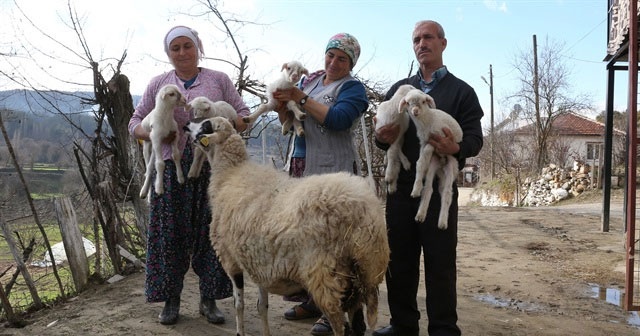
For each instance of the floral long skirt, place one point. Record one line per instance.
(178, 236)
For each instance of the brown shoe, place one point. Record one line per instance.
(322, 327)
(302, 311)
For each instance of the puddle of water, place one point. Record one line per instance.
(509, 303)
(616, 297)
(611, 295)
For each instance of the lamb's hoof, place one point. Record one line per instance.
(391, 188)
(246, 120)
(302, 117)
(143, 196)
(420, 217)
(442, 226)
(301, 134)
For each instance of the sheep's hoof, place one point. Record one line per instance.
(302, 117)
(247, 120)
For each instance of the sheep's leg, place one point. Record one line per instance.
(447, 177)
(357, 326)
(176, 159)
(297, 126)
(434, 166)
(159, 186)
(393, 168)
(144, 191)
(196, 165)
(263, 305)
(403, 158)
(336, 319)
(238, 301)
(264, 108)
(421, 169)
(297, 112)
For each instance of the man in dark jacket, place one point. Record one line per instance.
(407, 238)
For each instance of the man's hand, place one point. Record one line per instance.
(444, 145)
(388, 133)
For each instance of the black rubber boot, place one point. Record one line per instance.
(170, 312)
(209, 310)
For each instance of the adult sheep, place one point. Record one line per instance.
(323, 233)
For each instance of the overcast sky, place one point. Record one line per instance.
(479, 33)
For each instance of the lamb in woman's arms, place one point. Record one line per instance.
(291, 73)
(203, 108)
(160, 123)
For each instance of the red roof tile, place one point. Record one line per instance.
(572, 124)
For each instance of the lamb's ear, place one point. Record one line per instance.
(284, 66)
(305, 71)
(430, 102)
(402, 106)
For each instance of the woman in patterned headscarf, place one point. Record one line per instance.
(333, 101)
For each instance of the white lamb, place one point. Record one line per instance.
(291, 74)
(388, 114)
(429, 120)
(203, 108)
(322, 233)
(159, 123)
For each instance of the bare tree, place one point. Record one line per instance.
(544, 92)
(107, 157)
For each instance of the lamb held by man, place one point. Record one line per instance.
(160, 123)
(388, 114)
(291, 73)
(429, 120)
(325, 234)
(204, 108)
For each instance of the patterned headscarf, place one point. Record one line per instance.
(185, 31)
(346, 43)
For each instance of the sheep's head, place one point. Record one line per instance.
(206, 132)
(416, 100)
(201, 107)
(170, 94)
(293, 71)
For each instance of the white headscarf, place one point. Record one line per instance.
(185, 31)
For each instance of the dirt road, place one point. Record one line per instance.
(522, 271)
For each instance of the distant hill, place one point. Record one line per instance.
(35, 115)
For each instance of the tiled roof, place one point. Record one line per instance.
(572, 124)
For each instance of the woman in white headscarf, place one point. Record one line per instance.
(178, 232)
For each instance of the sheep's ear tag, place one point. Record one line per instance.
(204, 141)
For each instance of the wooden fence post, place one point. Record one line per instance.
(17, 256)
(73, 243)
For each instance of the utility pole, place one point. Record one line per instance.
(491, 135)
(536, 86)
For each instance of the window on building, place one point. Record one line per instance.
(593, 150)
